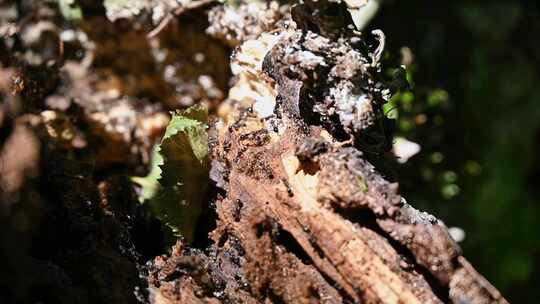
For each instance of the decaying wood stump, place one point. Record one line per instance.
(299, 210)
(302, 215)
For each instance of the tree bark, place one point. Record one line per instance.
(298, 211)
(302, 215)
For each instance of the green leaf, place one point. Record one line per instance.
(149, 184)
(69, 10)
(176, 186)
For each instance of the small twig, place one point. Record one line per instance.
(349, 141)
(175, 13)
(160, 26)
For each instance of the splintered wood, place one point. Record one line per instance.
(302, 216)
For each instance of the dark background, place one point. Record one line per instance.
(475, 111)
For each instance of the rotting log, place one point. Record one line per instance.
(299, 211)
(302, 216)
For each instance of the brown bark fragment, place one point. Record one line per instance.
(468, 286)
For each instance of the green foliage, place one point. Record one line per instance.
(69, 9)
(122, 4)
(150, 184)
(176, 185)
(475, 112)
